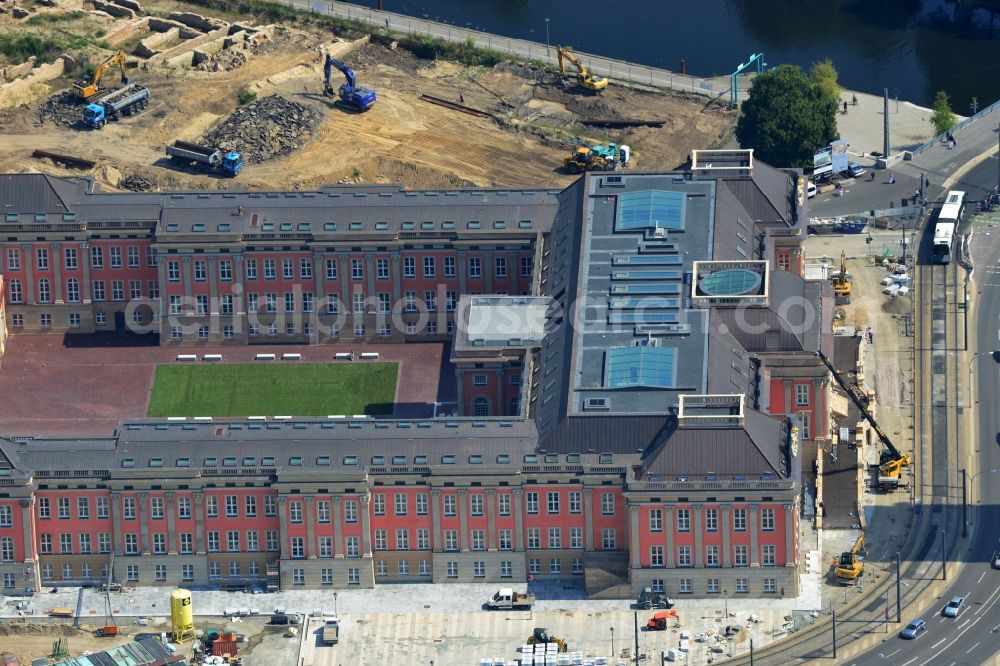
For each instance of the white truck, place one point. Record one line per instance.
(331, 631)
(507, 599)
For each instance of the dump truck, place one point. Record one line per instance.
(205, 158)
(507, 599)
(121, 102)
(331, 631)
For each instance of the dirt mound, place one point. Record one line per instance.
(136, 183)
(897, 305)
(223, 61)
(377, 53)
(266, 129)
(30, 629)
(63, 109)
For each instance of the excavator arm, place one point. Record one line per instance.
(331, 64)
(85, 89)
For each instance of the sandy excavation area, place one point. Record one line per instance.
(533, 119)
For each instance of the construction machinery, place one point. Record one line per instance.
(205, 158)
(350, 94)
(587, 80)
(842, 283)
(597, 158)
(852, 562)
(541, 635)
(122, 102)
(85, 89)
(891, 460)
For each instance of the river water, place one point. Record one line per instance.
(912, 47)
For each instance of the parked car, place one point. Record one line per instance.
(953, 607)
(995, 560)
(913, 629)
(855, 170)
(649, 599)
(810, 189)
(996, 355)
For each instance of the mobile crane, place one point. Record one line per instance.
(891, 461)
(842, 283)
(351, 96)
(851, 563)
(85, 89)
(583, 75)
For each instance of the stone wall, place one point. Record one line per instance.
(20, 91)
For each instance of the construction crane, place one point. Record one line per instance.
(85, 89)
(852, 562)
(110, 628)
(842, 283)
(891, 460)
(351, 96)
(583, 75)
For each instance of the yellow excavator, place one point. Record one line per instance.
(842, 283)
(583, 75)
(891, 460)
(852, 562)
(542, 635)
(85, 89)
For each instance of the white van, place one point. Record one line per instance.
(810, 189)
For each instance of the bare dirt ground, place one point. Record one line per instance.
(402, 139)
(30, 640)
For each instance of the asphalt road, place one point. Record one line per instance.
(973, 637)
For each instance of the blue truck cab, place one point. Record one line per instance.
(93, 115)
(232, 163)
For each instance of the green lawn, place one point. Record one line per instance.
(270, 389)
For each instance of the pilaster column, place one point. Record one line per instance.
(370, 281)
(514, 274)
(142, 499)
(171, 524)
(460, 381)
(699, 547)
(212, 269)
(116, 523)
(436, 539)
(518, 519)
(84, 263)
(338, 528)
(753, 525)
(491, 520)
(488, 271)
(319, 276)
(724, 527)
(633, 522)
(310, 518)
(463, 520)
(344, 274)
(668, 529)
(198, 499)
(29, 273)
(588, 519)
(366, 527)
(27, 520)
(56, 263)
(161, 277)
(186, 276)
(789, 406)
(239, 293)
(791, 529)
(397, 287)
(283, 527)
(501, 408)
(463, 270)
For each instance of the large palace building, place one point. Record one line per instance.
(637, 365)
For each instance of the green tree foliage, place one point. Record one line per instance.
(825, 76)
(943, 118)
(786, 118)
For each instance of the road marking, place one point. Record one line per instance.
(892, 653)
(972, 648)
(981, 578)
(987, 601)
(907, 663)
(939, 642)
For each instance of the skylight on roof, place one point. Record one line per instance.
(652, 209)
(648, 367)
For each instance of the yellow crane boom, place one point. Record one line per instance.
(583, 75)
(85, 89)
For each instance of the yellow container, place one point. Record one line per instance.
(181, 615)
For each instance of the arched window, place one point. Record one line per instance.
(72, 290)
(14, 293)
(44, 295)
(480, 407)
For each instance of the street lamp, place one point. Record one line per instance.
(612, 632)
(336, 614)
(966, 481)
(725, 594)
(546, 38)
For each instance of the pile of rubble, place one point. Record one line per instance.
(269, 128)
(135, 183)
(63, 109)
(223, 61)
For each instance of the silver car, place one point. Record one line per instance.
(953, 607)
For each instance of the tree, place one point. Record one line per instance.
(786, 118)
(824, 74)
(943, 118)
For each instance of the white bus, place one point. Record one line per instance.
(948, 220)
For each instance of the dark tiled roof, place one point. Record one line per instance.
(607, 433)
(31, 193)
(792, 320)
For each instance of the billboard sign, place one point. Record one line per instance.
(822, 162)
(838, 150)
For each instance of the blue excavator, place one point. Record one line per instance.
(351, 95)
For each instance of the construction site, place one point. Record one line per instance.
(235, 83)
